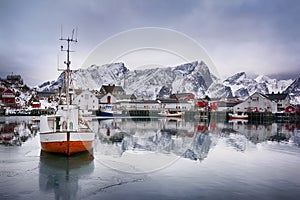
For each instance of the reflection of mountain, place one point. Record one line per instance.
(166, 136)
(258, 133)
(60, 174)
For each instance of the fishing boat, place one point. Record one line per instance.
(168, 113)
(238, 116)
(109, 111)
(66, 132)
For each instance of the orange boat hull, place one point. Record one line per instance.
(67, 148)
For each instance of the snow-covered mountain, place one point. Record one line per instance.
(192, 77)
(294, 91)
(242, 86)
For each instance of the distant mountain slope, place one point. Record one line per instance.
(294, 91)
(192, 77)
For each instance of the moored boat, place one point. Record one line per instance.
(65, 132)
(238, 116)
(109, 111)
(168, 113)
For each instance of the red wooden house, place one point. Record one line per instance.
(290, 109)
(8, 98)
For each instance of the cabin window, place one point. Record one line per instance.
(71, 125)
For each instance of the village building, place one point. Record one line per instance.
(14, 79)
(223, 105)
(256, 103)
(183, 96)
(86, 101)
(282, 100)
(7, 97)
(173, 104)
(111, 94)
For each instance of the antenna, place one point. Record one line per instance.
(61, 31)
(68, 63)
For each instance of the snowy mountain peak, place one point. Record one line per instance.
(262, 78)
(194, 77)
(236, 78)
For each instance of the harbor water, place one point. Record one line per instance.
(155, 158)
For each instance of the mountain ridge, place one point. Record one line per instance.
(154, 83)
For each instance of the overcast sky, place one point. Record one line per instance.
(258, 37)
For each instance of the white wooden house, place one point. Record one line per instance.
(256, 103)
(282, 100)
(111, 94)
(86, 101)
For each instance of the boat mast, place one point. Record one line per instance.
(68, 71)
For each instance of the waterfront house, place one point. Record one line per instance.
(282, 100)
(257, 102)
(8, 97)
(223, 105)
(173, 104)
(183, 96)
(110, 94)
(86, 101)
(291, 109)
(14, 79)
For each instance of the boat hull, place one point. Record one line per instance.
(67, 143)
(241, 117)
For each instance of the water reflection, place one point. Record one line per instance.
(60, 175)
(187, 139)
(15, 131)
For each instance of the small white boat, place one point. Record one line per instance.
(168, 113)
(238, 116)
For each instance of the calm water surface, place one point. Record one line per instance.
(155, 158)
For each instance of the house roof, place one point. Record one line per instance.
(111, 89)
(276, 96)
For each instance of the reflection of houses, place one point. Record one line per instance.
(256, 103)
(86, 101)
(112, 93)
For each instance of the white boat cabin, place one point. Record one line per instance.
(61, 121)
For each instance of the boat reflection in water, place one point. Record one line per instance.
(60, 175)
